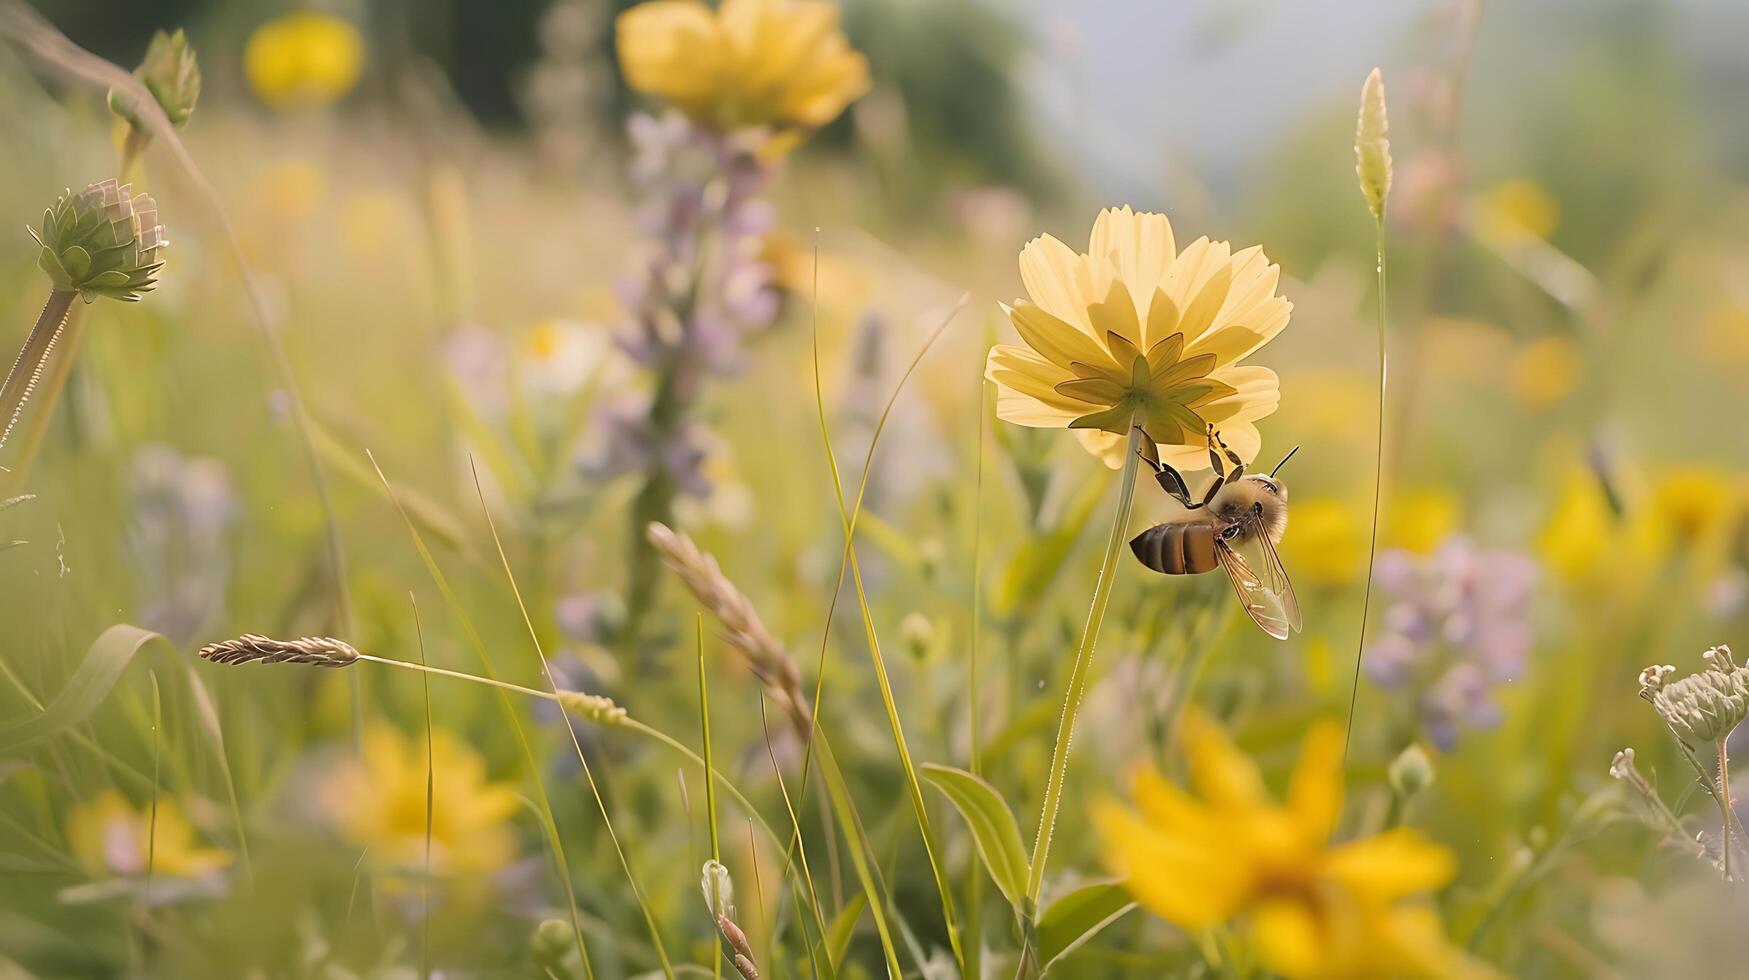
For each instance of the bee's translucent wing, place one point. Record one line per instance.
(1261, 582)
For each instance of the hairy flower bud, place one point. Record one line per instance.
(102, 241)
(1411, 771)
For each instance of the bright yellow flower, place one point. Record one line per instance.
(1695, 506)
(780, 63)
(1231, 853)
(378, 801)
(303, 58)
(1136, 329)
(110, 837)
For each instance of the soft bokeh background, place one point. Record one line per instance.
(443, 250)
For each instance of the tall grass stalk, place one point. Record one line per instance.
(796, 842)
(576, 743)
(914, 788)
(542, 802)
(430, 803)
(710, 791)
(1078, 674)
(1378, 483)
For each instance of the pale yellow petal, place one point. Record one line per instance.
(1109, 447)
(1139, 246)
(1058, 342)
(1117, 314)
(1051, 271)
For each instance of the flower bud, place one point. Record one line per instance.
(102, 241)
(917, 635)
(1372, 148)
(553, 939)
(1705, 706)
(718, 888)
(170, 73)
(1411, 771)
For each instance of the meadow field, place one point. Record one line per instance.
(912, 488)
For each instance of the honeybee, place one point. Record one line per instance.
(1235, 526)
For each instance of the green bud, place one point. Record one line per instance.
(917, 635)
(1703, 706)
(553, 941)
(1411, 772)
(102, 241)
(170, 73)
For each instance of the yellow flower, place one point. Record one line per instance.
(1136, 330)
(1517, 209)
(1418, 520)
(781, 63)
(303, 58)
(378, 801)
(110, 837)
(1231, 853)
(1694, 506)
(1545, 371)
(1329, 543)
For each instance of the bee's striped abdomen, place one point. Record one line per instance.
(1176, 549)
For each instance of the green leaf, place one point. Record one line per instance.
(1036, 563)
(103, 664)
(1078, 917)
(993, 828)
(842, 928)
(76, 261)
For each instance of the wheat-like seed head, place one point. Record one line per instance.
(317, 651)
(769, 660)
(592, 707)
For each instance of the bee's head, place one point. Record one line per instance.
(1270, 485)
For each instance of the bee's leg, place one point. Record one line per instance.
(1173, 483)
(1215, 458)
(1238, 464)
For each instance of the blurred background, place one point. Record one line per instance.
(444, 211)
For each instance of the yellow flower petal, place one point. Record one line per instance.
(1140, 246)
(1050, 272)
(1192, 886)
(1219, 772)
(1290, 938)
(1391, 865)
(1314, 791)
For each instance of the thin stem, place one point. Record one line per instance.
(1378, 483)
(27, 368)
(36, 427)
(1047, 824)
(1725, 803)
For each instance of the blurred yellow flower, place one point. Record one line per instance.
(1544, 371)
(1580, 529)
(1588, 545)
(1135, 330)
(378, 801)
(1517, 208)
(303, 58)
(109, 837)
(1328, 546)
(1232, 853)
(1696, 509)
(1418, 520)
(781, 63)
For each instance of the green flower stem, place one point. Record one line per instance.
(1725, 804)
(1041, 847)
(36, 428)
(28, 367)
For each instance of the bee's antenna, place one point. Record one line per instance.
(1284, 459)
